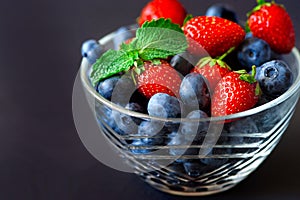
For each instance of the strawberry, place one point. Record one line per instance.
(272, 23)
(216, 35)
(158, 78)
(155, 9)
(212, 69)
(237, 91)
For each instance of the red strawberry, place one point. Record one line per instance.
(156, 9)
(212, 69)
(216, 35)
(272, 23)
(158, 78)
(237, 91)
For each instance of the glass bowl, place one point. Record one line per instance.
(193, 161)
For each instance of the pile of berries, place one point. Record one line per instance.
(226, 68)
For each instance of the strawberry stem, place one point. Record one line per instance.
(261, 2)
(253, 73)
(225, 54)
(247, 77)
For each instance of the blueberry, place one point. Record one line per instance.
(105, 113)
(249, 35)
(105, 88)
(190, 129)
(133, 106)
(150, 134)
(164, 106)
(122, 34)
(274, 77)
(194, 92)
(153, 131)
(194, 168)
(123, 91)
(267, 119)
(141, 147)
(263, 99)
(188, 134)
(246, 126)
(126, 124)
(253, 51)
(183, 63)
(91, 50)
(222, 10)
(217, 157)
(178, 139)
(150, 128)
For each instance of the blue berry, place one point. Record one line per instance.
(136, 107)
(177, 138)
(183, 63)
(217, 157)
(152, 134)
(105, 113)
(194, 92)
(191, 129)
(253, 51)
(249, 35)
(126, 124)
(105, 88)
(188, 134)
(123, 91)
(194, 168)
(274, 77)
(164, 106)
(267, 119)
(122, 34)
(91, 50)
(223, 11)
(150, 128)
(141, 147)
(246, 126)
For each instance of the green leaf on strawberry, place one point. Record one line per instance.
(157, 39)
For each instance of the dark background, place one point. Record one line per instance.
(41, 155)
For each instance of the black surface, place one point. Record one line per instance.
(41, 155)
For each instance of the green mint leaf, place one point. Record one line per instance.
(154, 40)
(159, 42)
(111, 63)
(128, 47)
(162, 23)
(160, 39)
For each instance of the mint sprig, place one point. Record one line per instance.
(110, 63)
(157, 39)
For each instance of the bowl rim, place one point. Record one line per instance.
(85, 66)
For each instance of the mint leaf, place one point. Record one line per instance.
(157, 39)
(162, 23)
(110, 63)
(158, 42)
(160, 39)
(128, 47)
